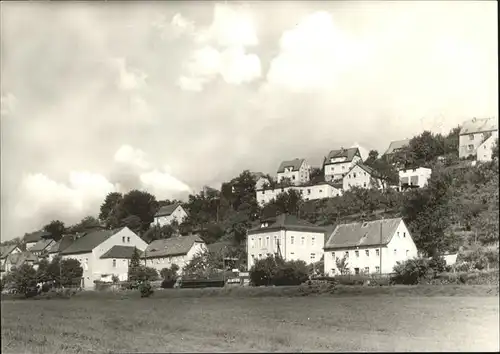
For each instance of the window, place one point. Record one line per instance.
(313, 257)
(395, 251)
(343, 167)
(398, 233)
(312, 241)
(407, 252)
(123, 239)
(114, 263)
(364, 184)
(260, 255)
(128, 239)
(302, 240)
(377, 269)
(321, 191)
(275, 241)
(356, 270)
(346, 254)
(333, 255)
(292, 254)
(291, 240)
(404, 234)
(367, 270)
(293, 176)
(308, 191)
(267, 241)
(354, 174)
(252, 240)
(470, 147)
(356, 253)
(367, 252)
(377, 252)
(471, 136)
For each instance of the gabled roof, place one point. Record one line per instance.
(366, 168)
(286, 222)
(36, 236)
(173, 246)
(295, 163)
(119, 251)
(89, 241)
(480, 125)
(347, 153)
(362, 234)
(18, 259)
(395, 145)
(6, 250)
(62, 244)
(42, 245)
(167, 210)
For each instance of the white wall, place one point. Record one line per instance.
(358, 177)
(468, 143)
(423, 174)
(261, 244)
(178, 214)
(296, 177)
(318, 191)
(485, 150)
(29, 245)
(401, 242)
(159, 263)
(260, 182)
(337, 170)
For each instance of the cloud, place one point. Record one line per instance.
(222, 50)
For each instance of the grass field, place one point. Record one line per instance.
(207, 324)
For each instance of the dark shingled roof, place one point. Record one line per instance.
(295, 163)
(62, 244)
(18, 259)
(89, 241)
(361, 234)
(286, 222)
(6, 250)
(479, 125)
(395, 145)
(171, 246)
(36, 236)
(167, 210)
(119, 251)
(42, 245)
(347, 153)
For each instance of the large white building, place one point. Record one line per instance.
(168, 213)
(412, 178)
(369, 246)
(177, 250)
(91, 250)
(309, 192)
(476, 138)
(296, 170)
(287, 236)
(339, 162)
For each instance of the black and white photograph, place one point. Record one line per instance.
(249, 176)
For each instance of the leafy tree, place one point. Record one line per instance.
(86, 224)
(133, 222)
(140, 204)
(262, 272)
(22, 278)
(134, 265)
(111, 202)
(202, 265)
(42, 273)
(169, 276)
(56, 228)
(422, 151)
(71, 272)
(494, 152)
(290, 273)
(342, 265)
(316, 175)
(287, 202)
(372, 157)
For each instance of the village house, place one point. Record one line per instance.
(42, 247)
(286, 236)
(361, 176)
(261, 181)
(116, 262)
(369, 247)
(59, 246)
(339, 162)
(477, 137)
(296, 170)
(309, 192)
(414, 178)
(5, 252)
(394, 147)
(177, 250)
(17, 259)
(31, 239)
(168, 213)
(89, 249)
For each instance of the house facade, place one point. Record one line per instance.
(339, 162)
(369, 247)
(473, 134)
(17, 259)
(59, 246)
(5, 261)
(31, 239)
(296, 170)
(167, 214)
(414, 177)
(261, 182)
(177, 250)
(361, 176)
(309, 192)
(286, 236)
(485, 150)
(42, 247)
(89, 249)
(115, 262)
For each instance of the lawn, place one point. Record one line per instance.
(292, 324)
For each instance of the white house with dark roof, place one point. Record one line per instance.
(89, 248)
(5, 252)
(297, 170)
(177, 250)
(287, 236)
(42, 247)
(57, 247)
(476, 136)
(339, 162)
(31, 239)
(17, 259)
(369, 246)
(362, 176)
(414, 178)
(168, 213)
(115, 262)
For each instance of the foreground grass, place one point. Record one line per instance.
(208, 324)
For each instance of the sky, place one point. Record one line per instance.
(170, 96)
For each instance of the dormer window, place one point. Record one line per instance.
(364, 225)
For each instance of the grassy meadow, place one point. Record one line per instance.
(167, 322)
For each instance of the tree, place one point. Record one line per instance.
(86, 224)
(287, 202)
(133, 222)
(71, 272)
(342, 265)
(372, 157)
(494, 152)
(56, 228)
(169, 276)
(202, 265)
(22, 278)
(111, 201)
(134, 265)
(42, 273)
(316, 175)
(141, 204)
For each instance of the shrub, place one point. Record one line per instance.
(146, 289)
(438, 264)
(46, 287)
(262, 272)
(312, 287)
(412, 271)
(290, 273)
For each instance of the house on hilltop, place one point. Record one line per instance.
(297, 170)
(339, 162)
(168, 213)
(414, 178)
(177, 250)
(89, 249)
(369, 247)
(285, 236)
(31, 239)
(362, 176)
(477, 138)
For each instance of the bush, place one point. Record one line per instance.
(313, 287)
(168, 283)
(412, 272)
(146, 289)
(46, 287)
(272, 271)
(438, 264)
(262, 272)
(352, 279)
(169, 276)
